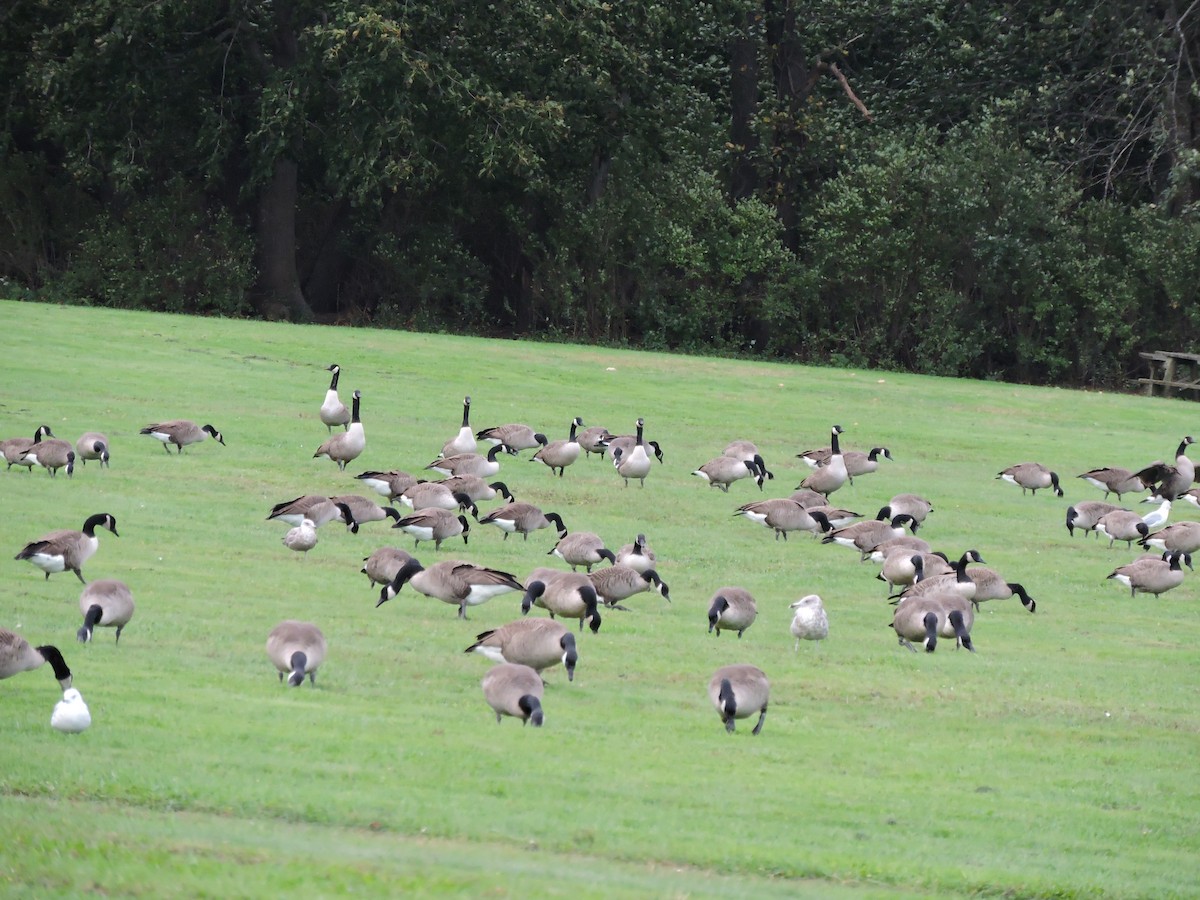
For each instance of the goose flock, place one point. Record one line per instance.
(935, 594)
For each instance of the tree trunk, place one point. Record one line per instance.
(743, 98)
(793, 84)
(278, 293)
(1181, 117)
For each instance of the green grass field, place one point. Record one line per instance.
(1060, 760)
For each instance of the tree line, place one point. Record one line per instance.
(1002, 190)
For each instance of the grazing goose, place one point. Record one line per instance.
(808, 498)
(738, 692)
(1122, 525)
(924, 617)
(1087, 514)
(349, 444)
(633, 463)
(1167, 481)
(515, 436)
(902, 567)
(537, 643)
(725, 470)
(567, 594)
(837, 516)
(866, 536)
(831, 476)
(957, 581)
(913, 622)
(333, 410)
(809, 621)
(990, 586)
(382, 565)
(427, 494)
(317, 509)
(453, 581)
(71, 715)
(1114, 480)
(522, 518)
(65, 550)
(1182, 536)
(390, 484)
(956, 617)
(470, 463)
(912, 504)
(594, 439)
(366, 510)
(1031, 476)
(514, 690)
(434, 524)
(907, 541)
(857, 462)
(747, 451)
(51, 455)
(464, 441)
(618, 582)
(582, 548)
(784, 515)
(302, 537)
(14, 448)
(92, 445)
(638, 555)
(16, 656)
(626, 442)
(1150, 576)
(105, 602)
(477, 488)
(181, 432)
(560, 454)
(1192, 497)
(297, 649)
(731, 608)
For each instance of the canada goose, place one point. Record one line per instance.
(1182, 536)
(638, 555)
(515, 436)
(956, 616)
(16, 656)
(434, 524)
(626, 442)
(365, 510)
(514, 690)
(522, 518)
(71, 715)
(1031, 476)
(1167, 481)
(470, 463)
(724, 470)
(1150, 576)
(464, 441)
(739, 692)
(1114, 480)
(865, 536)
(990, 586)
(809, 621)
(390, 484)
(731, 608)
(1122, 525)
(838, 517)
(784, 515)
(181, 432)
(912, 504)
(747, 451)
(568, 594)
(319, 510)
(831, 476)
(426, 494)
(634, 463)
(333, 410)
(957, 581)
(14, 448)
(560, 454)
(924, 617)
(618, 582)
(582, 548)
(297, 649)
(65, 550)
(477, 488)
(537, 643)
(349, 444)
(51, 455)
(1085, 515)
(907, 541)
(913, 622)
(302, 537)
(92, 445)
(857, 462)
(902, 567)
(105, 602)
(453, 581)
(594, 439)
(807, 498)
(1192, 496)
(382, 565)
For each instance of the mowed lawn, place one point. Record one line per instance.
(1061, 759)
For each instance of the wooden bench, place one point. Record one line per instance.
(1172, 372)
